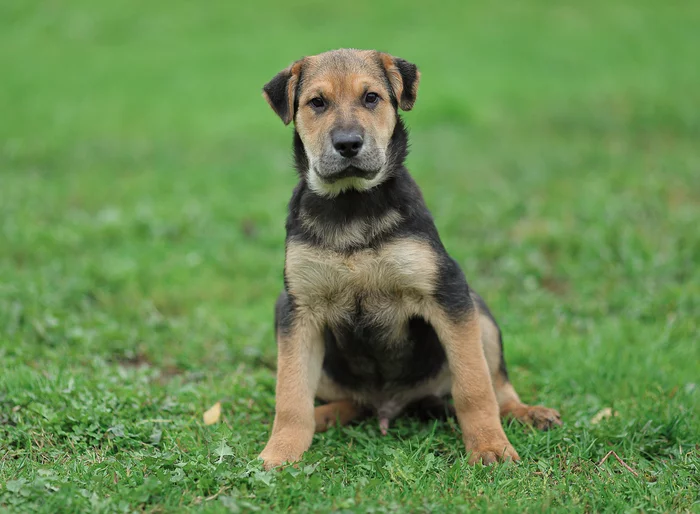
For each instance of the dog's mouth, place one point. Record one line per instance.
(350, 172)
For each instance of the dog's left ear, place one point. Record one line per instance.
(404, 78)
(281, 90)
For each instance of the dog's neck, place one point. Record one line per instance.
(354, 219)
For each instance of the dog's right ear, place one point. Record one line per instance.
(280, 92)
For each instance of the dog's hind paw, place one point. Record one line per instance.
(537, 416)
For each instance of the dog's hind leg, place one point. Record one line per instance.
(336, 413)
(542, 418)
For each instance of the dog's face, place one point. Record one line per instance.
(344, 105)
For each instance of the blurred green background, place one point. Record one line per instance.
(143, 189)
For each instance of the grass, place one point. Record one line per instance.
(143, 185)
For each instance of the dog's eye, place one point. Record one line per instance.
(371, 99)
(317, 103)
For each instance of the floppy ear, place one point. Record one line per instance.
(280, 92)
(404, 77)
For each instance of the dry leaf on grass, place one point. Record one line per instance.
(607, 412)
(213, 414)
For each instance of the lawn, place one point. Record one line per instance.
(143, 189)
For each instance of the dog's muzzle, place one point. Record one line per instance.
(349, 172)
(348, 154)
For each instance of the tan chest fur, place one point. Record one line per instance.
(390, 283)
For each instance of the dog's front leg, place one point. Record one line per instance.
(474, 399)
(299, 362)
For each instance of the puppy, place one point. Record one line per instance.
(374, 315)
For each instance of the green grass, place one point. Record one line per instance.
(143, 187)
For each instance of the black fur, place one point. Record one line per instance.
(358, 358)
(276, 91)
(297, 92)
(409, 75)
(452, 291)
(284, 312)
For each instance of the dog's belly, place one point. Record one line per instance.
(384, 369)
(361, 356)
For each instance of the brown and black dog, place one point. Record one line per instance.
(374, 315)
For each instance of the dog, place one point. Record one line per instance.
(374, 315)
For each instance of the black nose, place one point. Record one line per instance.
(347, 143)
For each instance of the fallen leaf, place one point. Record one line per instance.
(605, 413)
(213, 414)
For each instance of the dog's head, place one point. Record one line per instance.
(344, 105)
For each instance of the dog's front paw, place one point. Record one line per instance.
(492, 452)
(273, 458)
(281, 450)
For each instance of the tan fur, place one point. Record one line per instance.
(343, 93)
(336, 413)
(491, 344)
(474, 398)
(299, 363)
(395, 281)
(343, 90)
(538, 416)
